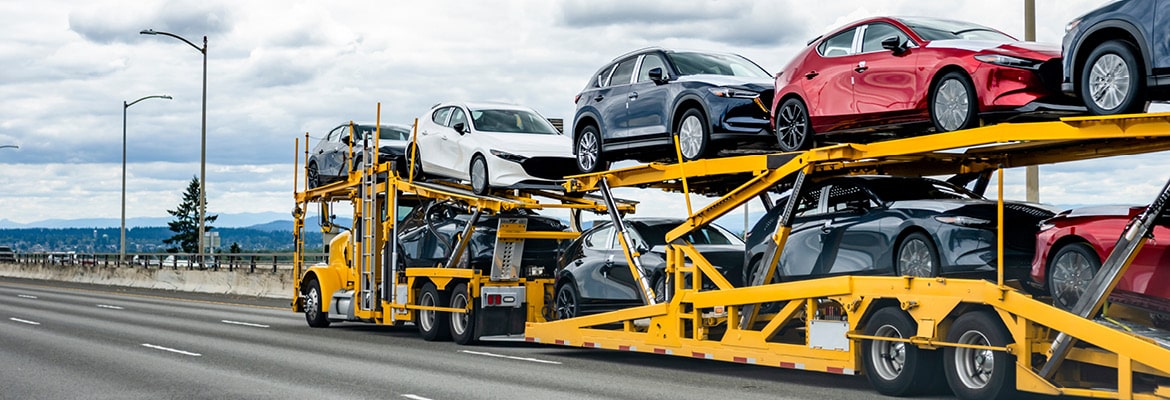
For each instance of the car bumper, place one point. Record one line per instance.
(530, 171)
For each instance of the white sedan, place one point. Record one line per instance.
(492, 145)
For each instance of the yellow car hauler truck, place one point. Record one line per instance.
(983, 339)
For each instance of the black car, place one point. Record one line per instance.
(632, 107)
(1116, 58)
(593, 275)
(884, 225)
(329, 161)
(427, 232)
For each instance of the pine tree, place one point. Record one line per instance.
(186, 223)
(235, 248)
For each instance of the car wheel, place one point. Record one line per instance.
(479, 175)
(917, 256)
(568, 302)
(317, 317)
(432, 325)
(1070, 272)
(793, 130)
(693, 135)
(1111, 81)
(660, 290)
(588, 144)
(953, 103)
(979, 373)
(898, 368)
(462, 324)
(415, 156)
(313, 176)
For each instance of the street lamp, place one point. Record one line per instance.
(203, 140)
(9, 146)
(125, 105)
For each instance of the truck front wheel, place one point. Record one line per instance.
(316, 316)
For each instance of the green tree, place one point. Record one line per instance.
(186, 223)
(235, 248)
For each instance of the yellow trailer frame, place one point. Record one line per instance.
(820, 324)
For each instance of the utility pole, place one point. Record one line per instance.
(1032, 172)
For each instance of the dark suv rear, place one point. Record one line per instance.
(632, 107)
(1116, 58)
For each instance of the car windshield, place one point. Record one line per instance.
(512, 121)
(716, 64)
(895, 189)
(655, 235)
(940, 29)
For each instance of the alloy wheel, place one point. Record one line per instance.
(951, 104)
(587, 151)
(1071, 274)
(792, 126)
(915, 259)
(1109, 81)
(313, 303)
(690, 137)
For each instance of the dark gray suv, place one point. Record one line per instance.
(1116, 58)
(636, 104)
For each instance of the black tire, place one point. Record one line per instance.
(463, 325)
(568, 302)
(478, 172)
(969, 373)
(432, 325)
(694, 134)
(314, 314)
(793, 129)
(1069, 273)
(588, 150)
(898, 368)
(415, 157)
(917, 256)
(1115, 67)
(954, 104)
(660, 289)
(313, 175)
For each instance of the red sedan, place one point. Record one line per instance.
(882, 74)
(1071, 246)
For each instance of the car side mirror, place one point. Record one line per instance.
(345, 139)
(894, 44)
(656, 75)
(460, 127)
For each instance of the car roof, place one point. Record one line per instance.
(666, 50)
(479, 105)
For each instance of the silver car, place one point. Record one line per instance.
(329, 161)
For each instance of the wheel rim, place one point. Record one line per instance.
(479, 175)
(915, 259)
(417, 163)
(426, 318)
(951, 105)
(312, 303)
(566, 305)
(1109, 81)
(587, 151)
(793, 126)
(1071, 274)
(459, 321)
(974, 366)
(314, 179)
(690, 136)
(660, 290)
(889, 357)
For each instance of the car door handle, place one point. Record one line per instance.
(598, 98)
(633, 96)
(827, 226)
(811, 74)
(861, 68)
(578, 261)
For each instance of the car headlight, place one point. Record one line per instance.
(733, 93)
(1007, 61)
(962, 220)
(509, 156)
(1072, 25)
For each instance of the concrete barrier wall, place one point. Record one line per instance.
(239, 282)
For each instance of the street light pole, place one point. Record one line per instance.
(9, 146)
(125, 105)
(203, 136)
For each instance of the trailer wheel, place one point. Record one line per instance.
(316, 317)
(898, 368)
(567, 301)
(432, 325)
(979, 373)
(463, 324)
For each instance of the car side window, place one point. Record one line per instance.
(335, 134)
(847, 197)
(807, 203)
(599, 239)
(440, 115)
(649, 62)
(876, 33)
(602, 79)
(458, 116)
(623, 72)
(839, 45)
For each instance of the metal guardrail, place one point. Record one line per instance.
(175, 261)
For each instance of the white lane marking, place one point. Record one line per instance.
(110, 307)
(244, 324)
(171, 350)
(415, 397)
(25, 321)
(26, 296)
(480, 353)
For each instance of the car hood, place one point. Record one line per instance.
(528, 144)
(395, 147)
(1029, 50)
(753, 84)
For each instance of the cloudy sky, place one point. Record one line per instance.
(279, 69)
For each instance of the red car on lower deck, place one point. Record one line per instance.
(1072, 245)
